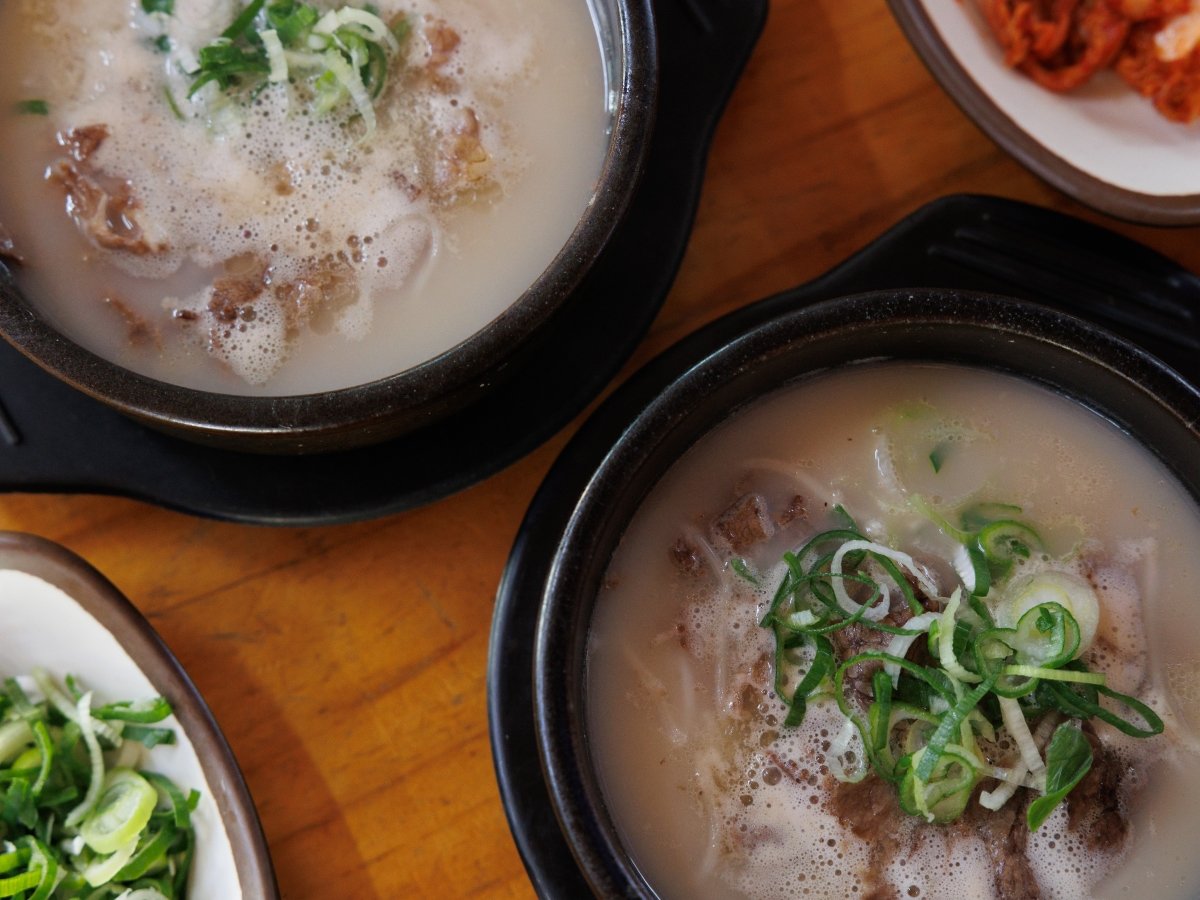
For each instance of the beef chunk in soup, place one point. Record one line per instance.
(1005, 837)
(139, 330)
(1093, 808)
(440, 42)
(103, 207)
(685, 556)
(868, 808)
(793, 511)
(325, 286)
(745, 523)
(464, 162)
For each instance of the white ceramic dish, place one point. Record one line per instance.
(1103, 143)
(60, 614)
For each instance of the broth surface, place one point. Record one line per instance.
(407, 248)
(715, 797)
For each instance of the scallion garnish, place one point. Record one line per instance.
(1068, 759)
(339, 56)
(33, 107)
(73, 825)
(937, 456)
(742, 569)
(170, 98)
(997, 654)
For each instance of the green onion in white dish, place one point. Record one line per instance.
(60, 615)
(82, 813)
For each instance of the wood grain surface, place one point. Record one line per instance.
(346, 665)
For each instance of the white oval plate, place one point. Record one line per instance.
(1103, 144)
(60, 614)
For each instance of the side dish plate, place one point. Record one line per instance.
(60, 614)
(1103, 144)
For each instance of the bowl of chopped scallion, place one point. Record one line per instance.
(115, 780)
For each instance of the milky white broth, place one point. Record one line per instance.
(687, 776)
(433, 273)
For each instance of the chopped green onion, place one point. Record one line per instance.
(742, 569)
(948, 726)
(942, 795)
(150, 852)
(15, 736)
(121, 812)
(175, 110)
(351, 80)
(18, 884)
(1068, 759)
(937, 456)
(12, 859)
(69, 820)
(147, 736)
(227, 64)
(1005, 651)
(33, 107)
(947, 630)
(1006, 540)
(787, 663)
(103, 869)
(45, 755)
(1049, 590)
(1055, 674)
(343, 54)
(41, 859)
(291, 21)
(241, 25)
(978, 515)
(96, 776)
(1046, 636)
(275, 56)
(144, 712)
(976, 574)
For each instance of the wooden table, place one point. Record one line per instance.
(346, 664)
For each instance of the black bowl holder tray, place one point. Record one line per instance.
(968, 243)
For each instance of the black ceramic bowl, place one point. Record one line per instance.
(426, 393)
(598, 483)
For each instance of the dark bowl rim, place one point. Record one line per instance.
(631, 428)
(415, 396)
(98, 596)
(1123, 203)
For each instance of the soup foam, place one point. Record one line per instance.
(714, 796)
